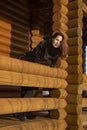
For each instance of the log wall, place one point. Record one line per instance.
(14, 27)
(18, 36)
(75, 78)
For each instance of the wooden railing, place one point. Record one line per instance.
(17, 73)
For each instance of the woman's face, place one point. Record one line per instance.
(57, 41)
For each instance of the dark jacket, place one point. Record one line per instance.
(43, 53)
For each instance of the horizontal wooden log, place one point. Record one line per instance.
(19, 39)
(74, 119)
(11, 64)
(7, 42)
(60, 8)
(84, 102)
(22, 7)
(59, 114)
(73, 41)
(75, 79)
(34, 44)
(63, 18)
(16, 105)
(36, 38)
(84, 86)
(5, 25)
(13, 49)
(74, 32)
(77, 22)
(76, 69)
(74, 5)
(73, 109)
(5, 33)
(75, 14)
(74, 99)
(40, 124)
(62, 63)
(13, 53)
(84, 7)
(75, 50)
(57, 25)
(22, 79)
(64, 2)
(74, 60)
(18, 12)
(4, 54)
(84, 78)
(35, 32)
(59, 93)
(74, 89)
(12, 16)
(5, 49)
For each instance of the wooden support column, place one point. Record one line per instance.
(74, 79)
(60, 20)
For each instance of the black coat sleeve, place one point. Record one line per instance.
(39, 51)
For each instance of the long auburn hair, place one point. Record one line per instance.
(63, 45)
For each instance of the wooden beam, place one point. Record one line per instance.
(16, 105)
(16, 65)
(23, 80)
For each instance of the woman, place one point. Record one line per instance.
(48, 51)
